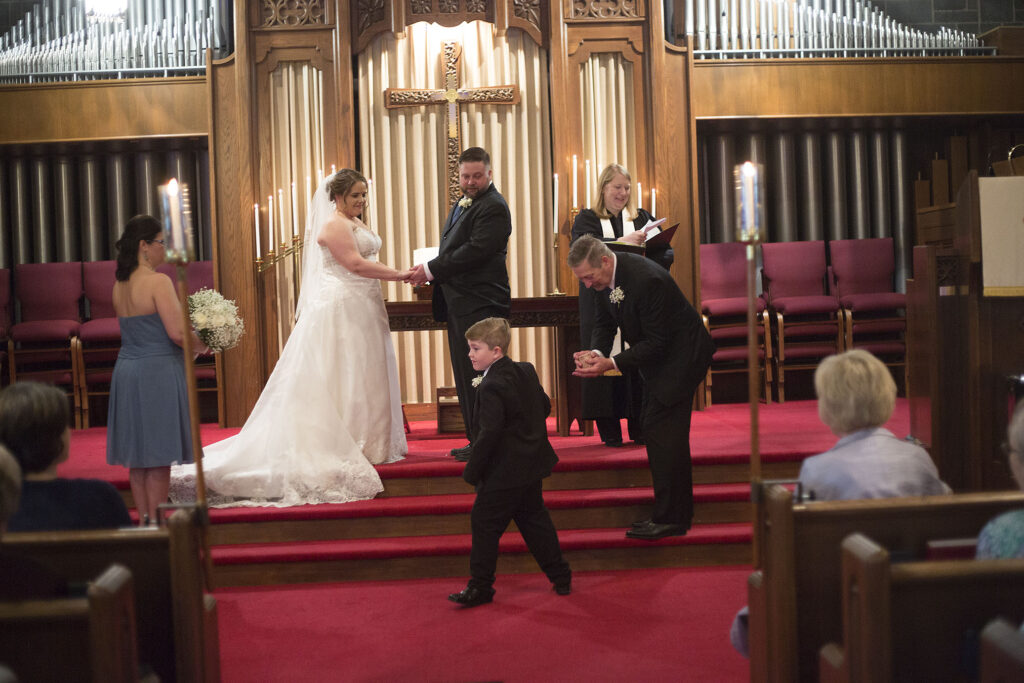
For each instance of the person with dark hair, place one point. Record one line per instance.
(147, 420)
(670, 348)
(23, 577)
(332, 407)
(34, 428)
(615, 219)
(469, 274)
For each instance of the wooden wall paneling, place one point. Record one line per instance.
(858, 87)
(565, 137)
(233, 189)
(529, 17)
(672, 144)
(104, 110)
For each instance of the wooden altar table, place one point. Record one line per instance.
(558, 312)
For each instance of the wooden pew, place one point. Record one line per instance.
(794, 598)
(176, 619)
(74, 639)
(1002, 653)
(916, 621)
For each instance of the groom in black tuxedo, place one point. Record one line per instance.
(469, 274)
(671, 349)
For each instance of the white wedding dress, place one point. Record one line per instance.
(331, 408)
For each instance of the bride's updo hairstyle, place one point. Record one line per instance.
(141, 227)
(342, 182)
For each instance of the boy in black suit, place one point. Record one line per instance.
(511, 456)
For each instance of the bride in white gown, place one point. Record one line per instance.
(331, 408)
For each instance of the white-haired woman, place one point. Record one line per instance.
(856, 396)
(1003, 537)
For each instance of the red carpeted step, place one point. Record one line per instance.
(463, 503)
(419, 546)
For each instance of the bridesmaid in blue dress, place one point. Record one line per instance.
(147, 420)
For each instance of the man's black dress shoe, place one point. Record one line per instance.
(462, 454)
(613, 444)
(472, 597)
(642, 523)
(563, 588)
(653, 531)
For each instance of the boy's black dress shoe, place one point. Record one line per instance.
(472, 596)
(563, 588)
(641, 523)
(462, 454)
(613, 444)
(653, 531)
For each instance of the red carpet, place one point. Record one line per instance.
(789, 431)
(653, 625)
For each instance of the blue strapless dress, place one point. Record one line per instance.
(147, 421)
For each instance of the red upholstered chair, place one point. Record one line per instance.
(723, 292)
(874, 313)
(99, 337)
(43, 344)
(808, 322)
(5, 320)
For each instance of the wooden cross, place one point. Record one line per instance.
(452, 96)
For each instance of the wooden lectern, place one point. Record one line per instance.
(965, 330)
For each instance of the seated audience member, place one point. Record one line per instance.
(34, 427)
(856, 396)
(23, 578)
(1003, 537)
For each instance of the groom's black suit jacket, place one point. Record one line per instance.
(509, 430)
(667, 340)
(469, 271)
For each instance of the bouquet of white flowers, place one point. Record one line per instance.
(215, 319)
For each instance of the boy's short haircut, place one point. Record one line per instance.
(491, 331)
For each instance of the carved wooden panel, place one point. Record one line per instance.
(449, 12)
(606, 9)
(288, 13)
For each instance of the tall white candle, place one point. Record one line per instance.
(639, 195)
(334, 169)
(575, 171)
(586, 180)
(554, 202)
(295, 210)
(319, 174)
(654, 203)
(256, 222)
(177, 227)
(748, 199)
(280, 213)
(270, 220)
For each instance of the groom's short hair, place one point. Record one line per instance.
(475, 154)
(491, 331)
(588, 248)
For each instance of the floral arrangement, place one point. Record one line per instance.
(617, 295)
(477, 380)
(466, 202)
(215, 319)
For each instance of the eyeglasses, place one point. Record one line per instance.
(160, 242)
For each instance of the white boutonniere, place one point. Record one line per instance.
(477, 380)
(465, 202)
(617, 295)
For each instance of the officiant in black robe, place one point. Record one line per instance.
(606, 400)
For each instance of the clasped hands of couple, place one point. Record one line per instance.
(591, 364)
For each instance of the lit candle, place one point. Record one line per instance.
(295, 210)
(639, 195)
(586, 180)
(174, 210)
(748, 200)
(270, 219)
(319, 174)
(333, 169)
(280, 212)
(554, 198)
(256, 221)
(654, 203)
(575, 171)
